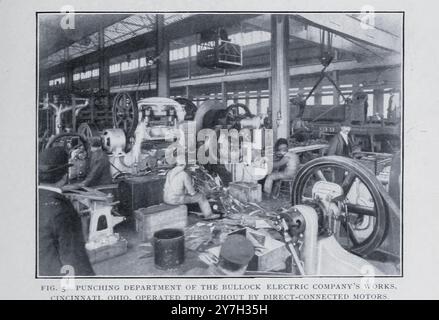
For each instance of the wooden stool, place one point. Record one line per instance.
(284, 187)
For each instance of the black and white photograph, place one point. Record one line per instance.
(218, 156)
(220, 144)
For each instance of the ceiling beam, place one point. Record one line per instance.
(263, 73)
(190, 25)
(312, 35)
(351, 28)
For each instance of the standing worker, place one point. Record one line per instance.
(180, 190)
(341, 144)
(285, 167)
(60, 239)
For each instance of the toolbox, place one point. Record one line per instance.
(158, 217)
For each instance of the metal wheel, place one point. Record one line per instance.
(234, 113)
(364, 225)
(88, 130)
(125, 113)
(65, 139)
(189, 107)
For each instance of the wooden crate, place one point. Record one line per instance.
(155, 218)
(375, 162)
(271, 257)
(246, 191)
(107, 252)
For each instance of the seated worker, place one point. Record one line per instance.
(99, 170)
(341, 144)
(283, 168)
(180, 190)
(235, 255)
(61, 242)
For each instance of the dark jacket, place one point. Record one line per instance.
(100, 171)
(61, 242)
(338, 146)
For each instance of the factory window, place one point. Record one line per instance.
(265, 103)
(76, 77)
(133, 64)
(310, 101)
(193, 50)
(180, 53)
(327, 100)
(253, 106)
(115, 68)
(124, 66)
(57, 81)
(248, 38)
(370, 111)
(95, 73)
(86, 75)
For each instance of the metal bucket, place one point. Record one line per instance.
(168, 248)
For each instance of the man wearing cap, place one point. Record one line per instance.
(61, 243)
(100, 171)
(284, 168)
(179, 189)
(341, 144)
(235, 255)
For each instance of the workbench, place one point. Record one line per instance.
(313, 147)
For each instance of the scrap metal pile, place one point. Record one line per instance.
(262, 225)
(218, 194)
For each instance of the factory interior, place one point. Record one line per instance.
(235, 144)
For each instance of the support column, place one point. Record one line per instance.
(69, 71)
(104, 62)
(224, 93)
(163, 85)
(317, 98)
(378, 101)
(280, 76)
(336, 94)
(188, 92)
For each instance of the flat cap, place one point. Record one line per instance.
(53, 159)
(345, 123)
(237, 249)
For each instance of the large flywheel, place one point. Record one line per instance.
(364, 217)
(125, 113)
(189, 107)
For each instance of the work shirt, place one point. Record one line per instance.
(60, 242)
(100, 171)
(288, 164)
(178, 184)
